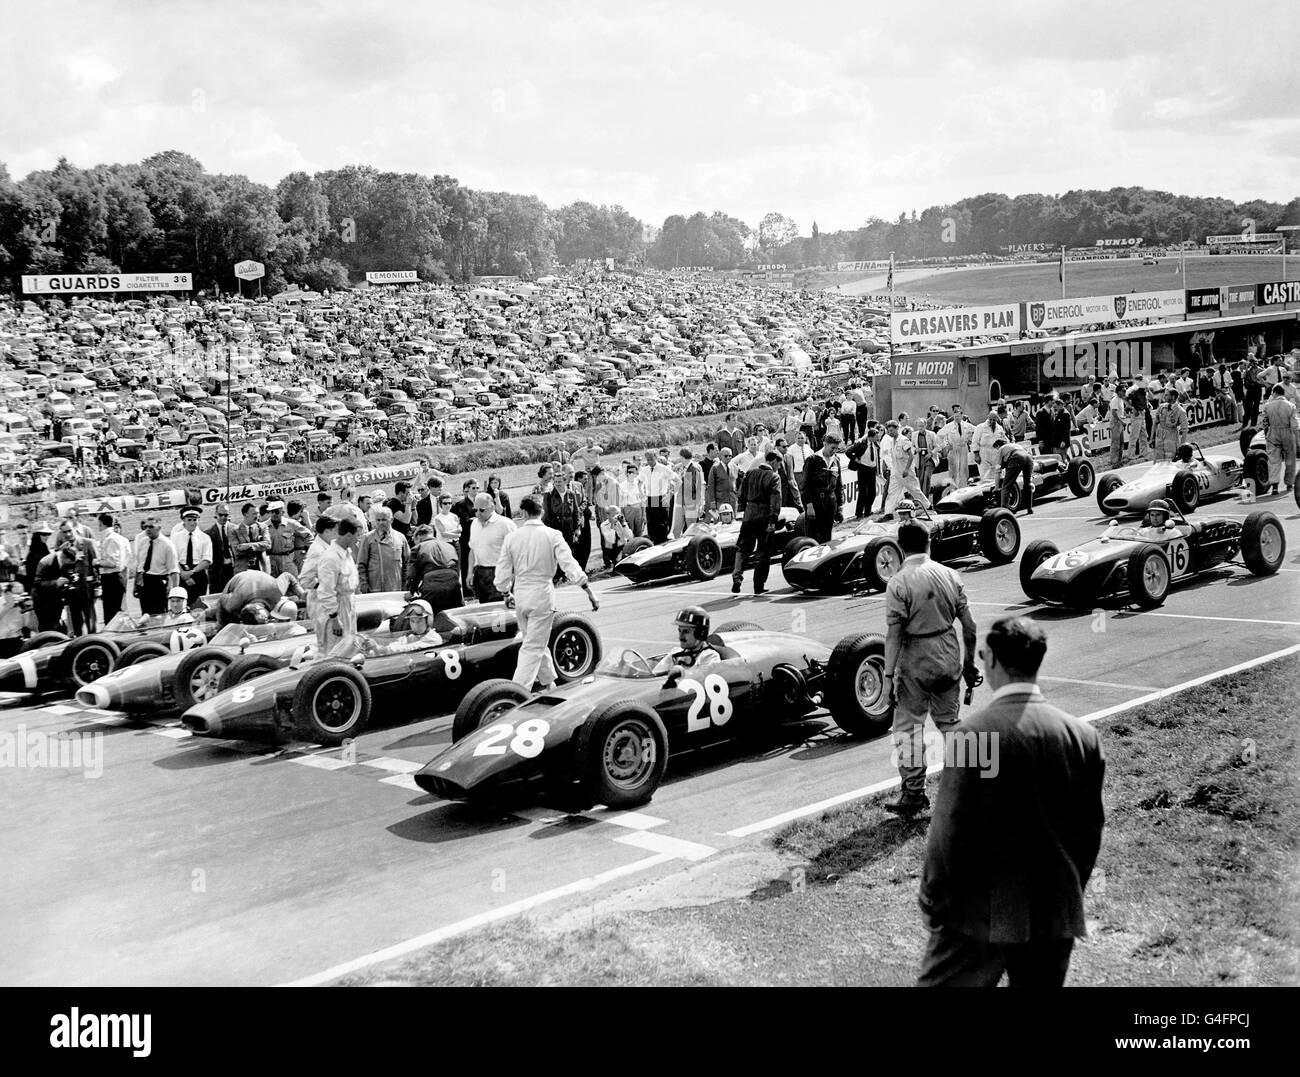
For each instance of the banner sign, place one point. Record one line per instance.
(953, 323)
(108, 282)
(1132, 241)
(1244, 237)
(1066, 313)
(1248, 248)
(268, 491)
(1200, 413)
(1238, 297)
(911, 373)
(249, 270)
(1204, 300)
(93, 506)
(392, 276)
(368, 476)
(1026, 248)
(1138, 306)
(1090, 256)
(858, 267)
(1277, 292)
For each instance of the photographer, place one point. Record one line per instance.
(614, 535)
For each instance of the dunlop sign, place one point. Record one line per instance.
(108, 282)
(953, 323)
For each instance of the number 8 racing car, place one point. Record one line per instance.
(1138, 564)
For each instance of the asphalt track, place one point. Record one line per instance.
(208, 862)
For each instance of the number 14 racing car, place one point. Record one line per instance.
(606, 739)
(1138, 564)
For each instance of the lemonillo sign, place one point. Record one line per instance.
(392, 276)
(64, 283)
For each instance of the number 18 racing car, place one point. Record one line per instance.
(1187, 480)
(606, 739)
(1137, 564)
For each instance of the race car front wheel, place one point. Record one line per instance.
(1263, 543)
(140, 651)
(880, 561)
(1257, 468)
(198, 676)
(703, 557)
(795, 547)
(1108, 485)
(245, 668)
(330, 704)
(1035, 554)
(1185, 491)
(636, 546)
(43, 639)
(1081, 476)
(575, 647)
(999, 536)
(1247, 436)
(1148, 576)
(857, 693)
(483, 704)
(621, 753)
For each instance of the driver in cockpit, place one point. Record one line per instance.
(696, 650)
(1183, 454)
(1157, 515)
(419, 630)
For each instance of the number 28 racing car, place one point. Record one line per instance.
(388, 672)
(606, 738)
(1051, 472)
(702, 552)
(1187, 480)
(867, 553)
(1137, 564)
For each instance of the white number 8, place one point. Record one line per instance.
(242, 694)
(718, 694)
(450, 664)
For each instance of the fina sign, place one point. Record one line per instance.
(108, 282)
(954, 323)
(249, 270)
(392, 276)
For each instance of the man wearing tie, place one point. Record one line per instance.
(158, 568)
(251, 543)
(194, 551)
(864, 457)
(223, 538)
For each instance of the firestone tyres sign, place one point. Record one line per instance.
(65, 283)
(954, 323)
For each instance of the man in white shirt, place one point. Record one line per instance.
(337, 586)
(115, 565)
(632, 496)
(194, 552)
(157, 568)
(799, 451)
(488, 532)
(530, 558)
(751, 457)
(660, 482)
(308, 576)
(982, 444)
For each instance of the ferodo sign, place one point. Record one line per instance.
(392, 276)
(1277, 292)
(953, 323)
(108, 282)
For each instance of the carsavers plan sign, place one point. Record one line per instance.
(954, 323)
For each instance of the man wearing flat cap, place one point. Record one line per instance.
(194, 554)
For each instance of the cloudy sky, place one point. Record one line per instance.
(825, 111)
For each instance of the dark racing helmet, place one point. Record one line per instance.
(1183, 455)
(1157, 514)
(694, 617)
(905, 509)
(256, 612)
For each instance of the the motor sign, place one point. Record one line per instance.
(1204, 300)
(911, 373)
(953, 323)
(1277, 292)
(392, 276)
(63, 283)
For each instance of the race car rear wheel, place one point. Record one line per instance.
(483, 704)
(703, 557)
(331, 703)
(620, 753)
(637, 545)
(1148, 576)
(245, 668)
(87, 659)
(43, 639)
(575, 647)
(795, 547)
(198, 675)
(857, 693)
(999, 536)
(1035, 554)
(1263, 543)
(140, 651)
(880, 560)
(1015, 497)
(1108, 485)
(739, 626)
(1185, 491)
(1247, 436)
(1257, 468)
(1081, 476)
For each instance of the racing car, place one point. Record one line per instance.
(702, 552)
(1050, 474)
(1186, 481)
(1254, 457)
(1138, 563)
(606, 738)
(334, 697)
(866, 553)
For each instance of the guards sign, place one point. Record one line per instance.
(64, 283)
(924, 373)
(249, 270)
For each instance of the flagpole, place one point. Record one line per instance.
(1062, 270)
(891, 311)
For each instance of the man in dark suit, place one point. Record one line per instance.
(223, 536)
(864, 458)
(760, 498)
(1016, 829)
(427, 507)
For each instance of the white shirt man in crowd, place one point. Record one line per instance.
(156, 568)
(488, 533)
(982, 444)
(194, 554)
(116, 563)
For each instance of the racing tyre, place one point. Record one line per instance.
(703, 557)
(1035, 554)
(1247, 436)
(880, 560)
(198, 675)
(636, 546)
(739, 626)
(1148, 576)
(1263, 543)
(857, 694)
(43, 639)
(620, 754)
(87, 659)
(140, 651)
(1108, 485)
(1081, 476)
(1257, 468)
(331, 704)
(795, 547)
(574, 646)
(245, 668)
(999, 536)
(484, 703)
(1185, 491)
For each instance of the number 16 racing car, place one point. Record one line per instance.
(1138, 564)
(606, 739)
(1187, 480)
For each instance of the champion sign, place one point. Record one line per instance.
(953, 323)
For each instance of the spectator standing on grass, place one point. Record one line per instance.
(464, 512)
(488, 534)
(1009, 851)
(632, 496)
(383, 557)
(1117, 417)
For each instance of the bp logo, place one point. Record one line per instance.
(1036, 312)
(1121, 305)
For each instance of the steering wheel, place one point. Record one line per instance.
(636, 660)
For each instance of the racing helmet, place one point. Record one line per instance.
(726, 513)
(905, 509)
(1157, 514)
(694, 617)
(1184, 454)
(256, 612)
(178, 592)
(285, 610)
(421, 607)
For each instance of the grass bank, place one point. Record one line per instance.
(1197, 884)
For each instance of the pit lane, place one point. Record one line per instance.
(209, 862)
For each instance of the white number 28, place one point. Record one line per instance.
(717, 694)
(528, 741)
